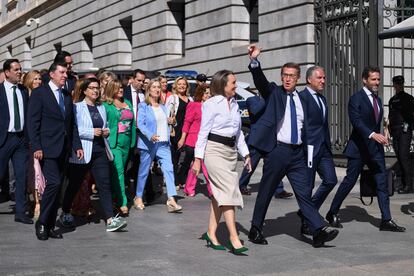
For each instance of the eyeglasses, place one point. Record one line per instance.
(289, 76)
(93, 87)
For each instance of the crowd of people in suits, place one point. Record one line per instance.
(106, 136)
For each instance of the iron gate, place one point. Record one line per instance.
(345, 41)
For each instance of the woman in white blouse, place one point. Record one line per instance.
(219, 139)
(153, 141)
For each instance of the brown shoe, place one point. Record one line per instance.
(283, 194)
(245, 191)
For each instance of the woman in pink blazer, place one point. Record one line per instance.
(188, 139)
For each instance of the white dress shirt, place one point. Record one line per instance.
(315, 97)
(284, 126)
(162, 124)
(56, 90)
(222, 118)
(9, 94)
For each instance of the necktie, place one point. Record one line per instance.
(61, 102)
(16, 110)
(375, 105)
(318, 97)
(293, 121)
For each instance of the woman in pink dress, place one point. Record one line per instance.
(188, 140)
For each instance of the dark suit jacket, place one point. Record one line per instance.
(317, 129)
(4, 111)
(361, 115)
(263, 134)
(47, 127)
(128, 93)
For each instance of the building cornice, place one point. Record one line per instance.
(34, 10)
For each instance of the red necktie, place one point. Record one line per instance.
(375, 105)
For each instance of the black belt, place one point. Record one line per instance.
(18, 134)
(292, 146)
(228, 141)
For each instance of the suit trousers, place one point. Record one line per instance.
(53, 171)
(100, 169)
(323, 164)
(16, 149)
(401, 144)
(255, 156)
(161, 150)
(353, 170)
(284, 160)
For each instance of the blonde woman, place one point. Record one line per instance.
(35, 178)
(177, 105)
(153, 121)
(122, 137)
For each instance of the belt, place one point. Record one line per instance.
(18, 134)
(228, 141)
(292, 146)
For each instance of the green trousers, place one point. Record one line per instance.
(120, 153)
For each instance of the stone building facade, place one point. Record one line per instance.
(204, 35)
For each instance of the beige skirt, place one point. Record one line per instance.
(221, 162)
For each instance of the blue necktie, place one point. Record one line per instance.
(61, 102)
(293, 121)
(320, 105)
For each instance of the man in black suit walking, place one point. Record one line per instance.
(13, 141)
(53, 136)
(366, 147)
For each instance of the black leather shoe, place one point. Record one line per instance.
(390, 225)
(41, 232)
(324, 235)
(304, 230)
(283, 194)
(55, 235)
(334, 220)
(245, 191)
(23, 219)
(256, 236)
(4, 198)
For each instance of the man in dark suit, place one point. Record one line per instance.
(366, 147)
(280, 135)
(318, 139)
(53, 136)
(13, 140)
(256, 106)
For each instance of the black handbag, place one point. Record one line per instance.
(368, 186)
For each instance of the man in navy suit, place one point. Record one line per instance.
(13, 141)
(366, 147)
(280, 135)
(320, 158)
(53, 136)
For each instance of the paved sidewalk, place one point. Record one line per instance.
(158, 243)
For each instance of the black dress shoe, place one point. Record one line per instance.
(304, 230)
(283, 194)
(55, 235)
(334, 220)
(4, 198)
(41, 231)
(324, 235)
(256, 236)
(23, 219)
(390, 225)
(245, 191)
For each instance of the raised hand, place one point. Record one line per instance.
(254, 51)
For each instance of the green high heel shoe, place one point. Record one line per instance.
(211, 244)
(236, 251)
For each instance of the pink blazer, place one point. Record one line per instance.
(192, 122)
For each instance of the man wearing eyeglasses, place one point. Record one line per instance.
(279, 135)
